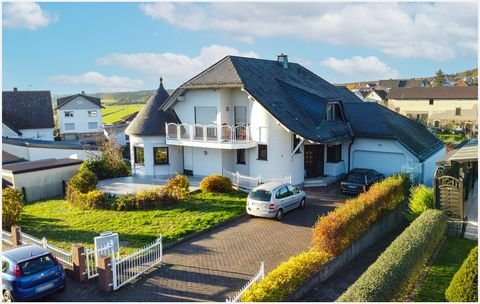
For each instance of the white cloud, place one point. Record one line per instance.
(360, 68)
(174, 68)
(26, 15)
(408, 30)
(98, 81)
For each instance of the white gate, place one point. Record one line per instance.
(92, 258)
(130, 267)
(249, 182)
(259, 276)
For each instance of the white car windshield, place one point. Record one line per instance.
(260, 195)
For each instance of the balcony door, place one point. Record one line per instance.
(205, 116)
(240, 118)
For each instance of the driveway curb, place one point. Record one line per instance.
(199, 233)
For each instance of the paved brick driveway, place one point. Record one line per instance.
(216, 264)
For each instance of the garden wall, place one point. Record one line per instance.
(383, 226)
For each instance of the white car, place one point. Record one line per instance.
(274, 199)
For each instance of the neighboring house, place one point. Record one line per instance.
(117, 130)
(437, 106)
(417, 83)
(79, 116)
(149, 152)
(461, 83)
(40, 179)
(275, 119)
(27, 114)
(378, 96)
(31, 149)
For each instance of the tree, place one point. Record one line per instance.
(439, 78)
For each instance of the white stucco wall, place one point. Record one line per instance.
(6, 131)
(80, 106)
(429, 166)
(175, 157)
(42, 134)
(36, 153)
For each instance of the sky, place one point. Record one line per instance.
(108, 47)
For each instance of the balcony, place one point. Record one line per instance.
(209, 136)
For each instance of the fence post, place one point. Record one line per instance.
(44, 243)
(79, 264)
(105, 275)
(16, 236)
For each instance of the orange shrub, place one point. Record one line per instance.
(216, 183)
(334, 232)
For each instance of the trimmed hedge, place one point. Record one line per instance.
(103, 168)
(337, 230)
(464, 285)
(286, 278)
(392, 276)
(421, 199)
(146, 199)
(216, 184)
(177, 188)
(12, 204)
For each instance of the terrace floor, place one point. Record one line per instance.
(135, 183)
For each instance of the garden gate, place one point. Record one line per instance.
(91, 258)
(449, 196)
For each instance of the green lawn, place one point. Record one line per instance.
(448, 261)
(112, 114)
(64, 225)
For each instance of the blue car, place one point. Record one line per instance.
(30, 272)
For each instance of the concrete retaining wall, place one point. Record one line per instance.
(386, 224)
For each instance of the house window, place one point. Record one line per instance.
(139, 156)
(458, 111)
(241, 156)
(93, 125)
(70, 126)
(262, 152)
(296, 142)
(68, 113)
(160, 155)
(397, 110)
(430, 102)
(334, 153)
(436, 124)
(240, 115)
(333, 112)
(92, 113)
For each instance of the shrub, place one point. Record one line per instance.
(103, 168)
(216, 183)
(402, 263)
(421, 199)
(84, 181)
(12, 204)
(334, 232)
(94, 199)
(464, 285)
(286, 278)
(145, 199)
(177, 188)
(125, 202)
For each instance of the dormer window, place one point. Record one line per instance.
(333, 112)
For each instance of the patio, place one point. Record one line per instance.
(136, 183)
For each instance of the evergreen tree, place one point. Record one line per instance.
(439, 78)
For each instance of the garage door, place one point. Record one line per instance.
(383, 162)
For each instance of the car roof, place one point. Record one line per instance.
(270, 186)
(361, 171)
(23, 252)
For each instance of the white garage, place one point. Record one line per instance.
(386, 163)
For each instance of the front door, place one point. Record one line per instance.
(314, 160)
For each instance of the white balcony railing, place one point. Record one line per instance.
(209, 133)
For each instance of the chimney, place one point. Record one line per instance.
(15, 89)
(283, 59)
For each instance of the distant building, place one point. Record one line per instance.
(27, 114)
(379, 96)
(79, 116)
(437, 106)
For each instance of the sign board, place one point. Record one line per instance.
(105, 238)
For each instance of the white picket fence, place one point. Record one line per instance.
(7, 237)
(132, 266)
(64, 257)
(259, 276)
(249, 182)
(91, 258)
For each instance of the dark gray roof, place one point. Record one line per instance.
(385, 123)
(381, 93)
(434, 93)
(151, 120)
(38, 165)
(27, 142)
(64, 100)
(297, 98)
(417, 83)
(8, 158)
(392, 83)
(27, 110)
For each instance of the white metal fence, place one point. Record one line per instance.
(132, 266)
(91, 258)
(64, 257)
(249, 182)
(7, 237)
(259, 276)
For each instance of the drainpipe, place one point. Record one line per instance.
(350, 153)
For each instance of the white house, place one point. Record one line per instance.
(378, 96)
(437, 106)
(276, 119)
(27, 114)
(79, 116)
